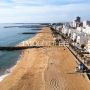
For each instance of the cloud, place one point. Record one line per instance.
(42, 10)
(29, 2)
(41, 2)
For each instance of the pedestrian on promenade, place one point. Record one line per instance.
(81, 67)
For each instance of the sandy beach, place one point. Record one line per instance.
(45, 68)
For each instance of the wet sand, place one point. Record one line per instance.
(45, 68)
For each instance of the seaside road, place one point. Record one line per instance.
(47, 68)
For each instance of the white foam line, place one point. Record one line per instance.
(9, 71)
(3, 76)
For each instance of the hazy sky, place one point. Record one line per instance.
(43, 10)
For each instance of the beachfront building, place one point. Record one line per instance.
(64, 30)
(86, 24)
(59, 27)
(88, 46)
(86, 30)
(69, 32)
(77, 36)
(77, 33)
(80, 37)
(73, 24)
(76, 23)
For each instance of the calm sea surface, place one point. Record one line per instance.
(11, 35)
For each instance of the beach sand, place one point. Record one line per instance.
(45, 68)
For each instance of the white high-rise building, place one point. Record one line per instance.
(86, 23)
(74, 24)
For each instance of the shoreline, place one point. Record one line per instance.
(10, 70)
(46, 68)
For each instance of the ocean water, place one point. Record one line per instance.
(11, 35)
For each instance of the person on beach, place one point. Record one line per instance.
(81, 67)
